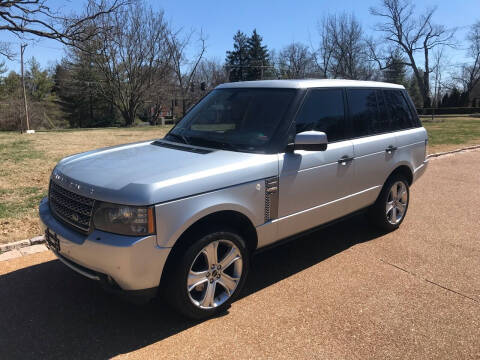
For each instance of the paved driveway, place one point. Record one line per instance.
(342, 292)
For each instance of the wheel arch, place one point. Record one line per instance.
(404, 170)
(228, 218)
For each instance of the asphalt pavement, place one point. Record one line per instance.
(344, 292)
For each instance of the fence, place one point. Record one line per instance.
(449, 111)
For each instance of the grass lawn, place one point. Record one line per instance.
(27, 161)
(452, 133)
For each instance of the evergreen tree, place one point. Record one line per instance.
(454, 98)
(396, 71)
(445, 100)
(10, 86)
(414, 91)
(77, 82)
(3, 89)
(258, 59)
(3, 69)
(237, 60)
(464, 99)
(39, 83)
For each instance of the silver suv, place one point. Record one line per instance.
(252, 163)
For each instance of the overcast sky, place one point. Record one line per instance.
(279, 21)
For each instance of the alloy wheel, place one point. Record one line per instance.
(396, 202)
(214, 274)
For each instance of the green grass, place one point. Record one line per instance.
(10, 209)
(18, 151)
(15, 202)
(26, 162)
(458, 131)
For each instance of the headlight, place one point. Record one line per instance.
(125, 220)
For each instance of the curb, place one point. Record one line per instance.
(22, 243)
(453, 151)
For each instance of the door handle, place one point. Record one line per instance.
(345, 159)
(391, 149)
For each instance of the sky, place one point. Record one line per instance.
(279, 22)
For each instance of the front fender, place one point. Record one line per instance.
(173, 218)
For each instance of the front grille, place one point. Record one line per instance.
(73, 209)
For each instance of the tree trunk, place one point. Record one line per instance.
(424, 90)
(129, 117)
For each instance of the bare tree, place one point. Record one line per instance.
(132, 57)
(295, 61)
(6, 50)
(343, 51)
(211, 73)
(182, 67)
(159, 98)
(323, 55)
(3, 69)
(438, 69)
(37, 18)
(413, 35)
(471, 72)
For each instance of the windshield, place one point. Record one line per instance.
(238, 119)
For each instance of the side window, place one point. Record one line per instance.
(383, 123)
(363, 108)
(323, 111)
(413, 110)
(399, 111)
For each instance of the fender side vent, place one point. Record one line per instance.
(271, 198)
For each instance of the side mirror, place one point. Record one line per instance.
(310, 141)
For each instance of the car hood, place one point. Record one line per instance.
(146, 173)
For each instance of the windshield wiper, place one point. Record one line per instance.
(182, 138)
(215, 143)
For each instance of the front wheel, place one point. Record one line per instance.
(209, 276)
(391, 206)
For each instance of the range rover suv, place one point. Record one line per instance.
(251, 164)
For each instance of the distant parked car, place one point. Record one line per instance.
(252, 163)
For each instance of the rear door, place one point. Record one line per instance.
(374, 144)
(313, 184)
(410, 134)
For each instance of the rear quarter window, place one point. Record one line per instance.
(400, 113)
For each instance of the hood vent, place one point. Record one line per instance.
(181, 147)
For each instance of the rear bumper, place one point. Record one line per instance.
(120, 263)
(419, 171)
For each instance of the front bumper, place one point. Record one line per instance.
(133, 263)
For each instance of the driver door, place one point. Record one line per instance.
(314, 184)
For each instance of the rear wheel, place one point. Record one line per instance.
(390, 209)
(209, 275)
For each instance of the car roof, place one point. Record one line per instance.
(308, 83)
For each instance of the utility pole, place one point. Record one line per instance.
(22, 49)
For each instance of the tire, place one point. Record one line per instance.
(391, 217)
(197, 290)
